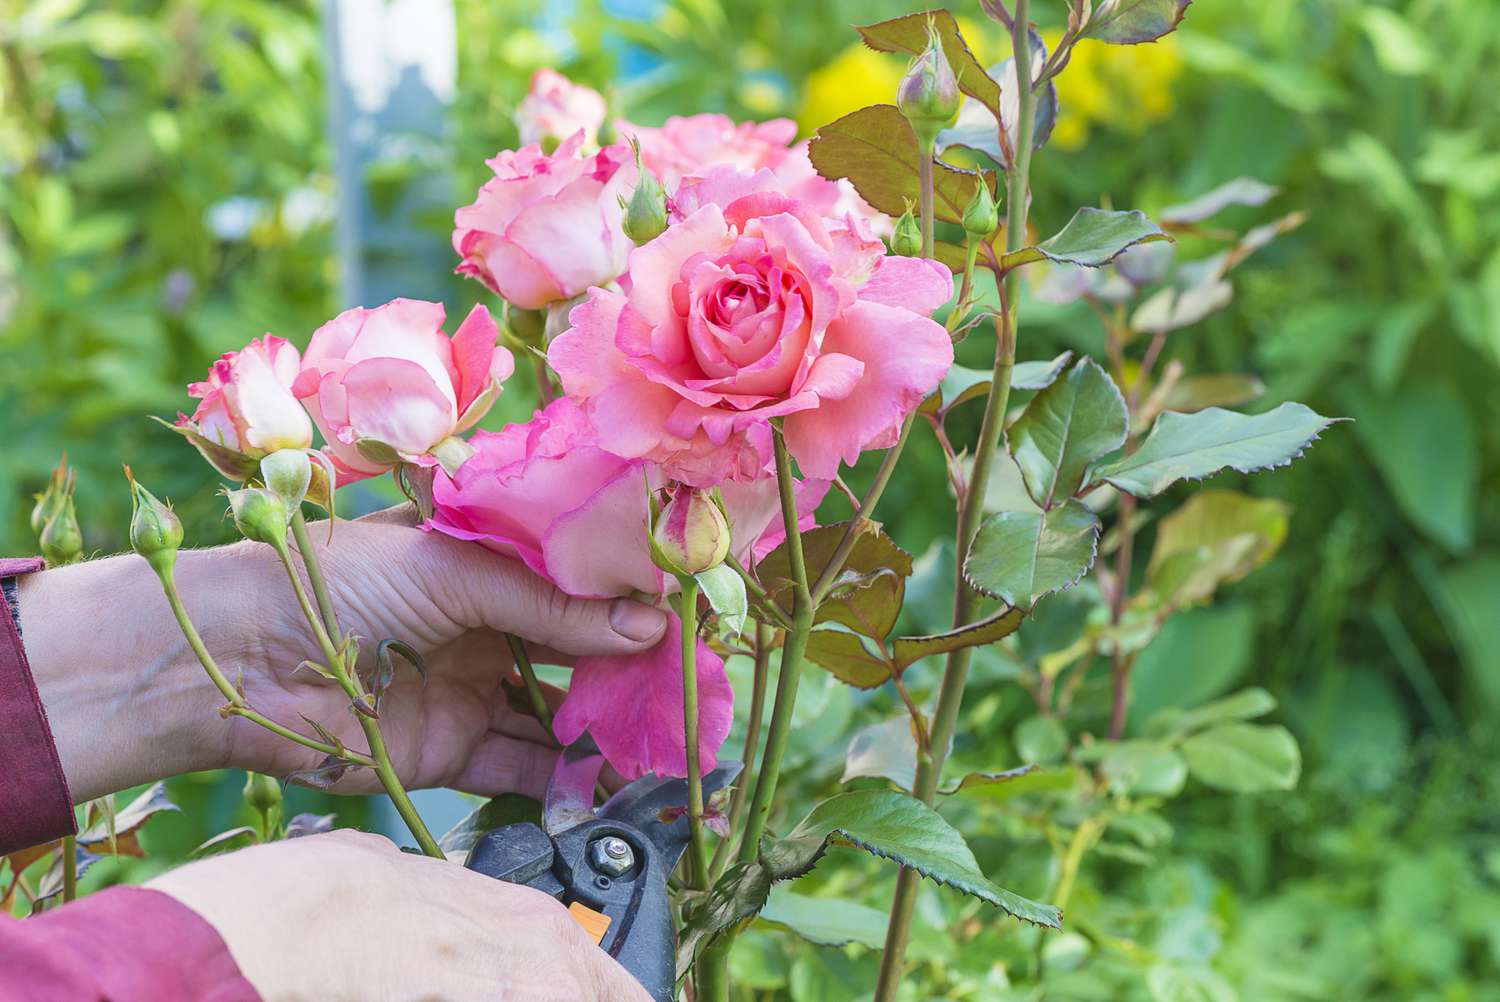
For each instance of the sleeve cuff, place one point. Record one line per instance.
(35, 805)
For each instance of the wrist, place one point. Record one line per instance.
(125, 697)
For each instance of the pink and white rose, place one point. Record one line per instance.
(556, 107)
(752, 307)
(387, 384)
(246, 404)
(546, 493)
(547, 227)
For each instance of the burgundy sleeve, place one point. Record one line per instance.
(35, 805)
(124, 944)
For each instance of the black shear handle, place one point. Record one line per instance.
(640, 933)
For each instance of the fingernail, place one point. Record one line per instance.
(636, 621)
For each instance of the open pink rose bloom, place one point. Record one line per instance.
(755, 307)
(391, 377)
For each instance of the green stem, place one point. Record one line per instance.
(971, 509)
(687, 611)
(315, 576)
(725, 849)
(791, 662)
(348, 679)
(70, 867)
(924, 179)
(229, 692)
(539, 704)
(764, 602)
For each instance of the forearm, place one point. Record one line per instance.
(126, 700)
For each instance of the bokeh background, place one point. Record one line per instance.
(169, 189)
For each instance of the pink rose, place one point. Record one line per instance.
(545, 492)
(390, 379)
(246, 404)
(546, 228)
(689, 146)
(753, 308)
(556, 107)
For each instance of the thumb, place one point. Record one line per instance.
(482, 589)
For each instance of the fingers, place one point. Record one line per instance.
(505, 764)
(502, 594)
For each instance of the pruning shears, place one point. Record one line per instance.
(609, 866)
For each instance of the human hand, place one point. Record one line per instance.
(128, 702)
(346, 916)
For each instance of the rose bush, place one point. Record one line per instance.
(387, 385)
(753, 308)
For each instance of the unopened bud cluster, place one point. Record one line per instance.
(55, 518)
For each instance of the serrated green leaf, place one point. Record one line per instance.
(1194, 446)
(1020, 556)
(901, 828)
(1244, 758)
(877, 151)
(1092, 238)
(908, 34)
(909, 650)
(1214, 538)
(825, 921)
(1067, 426)
(1128, 22)
(733, 901)
(725, 591)
(1138, 768)
(845, 657)
(868, 593)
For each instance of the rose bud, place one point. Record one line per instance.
(906, 241)
(691, 534)
(646, 212)
(50, 501)
(928, 95)
(260, 515)
(155, 531)
(61, 539)
(246, 409)
(981, 218)
(263, 793)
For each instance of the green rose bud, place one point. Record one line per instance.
(51, 501)
(691, 534)
(155, 531)
(288, 472)
(907, 239)
(263, 793)
(646, 212)
(981, 217)
(62, 540)
(928, 95)
(260, 515)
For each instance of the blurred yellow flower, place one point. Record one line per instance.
(1121, 87)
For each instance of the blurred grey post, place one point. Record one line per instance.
(392, 71)
(393, 68)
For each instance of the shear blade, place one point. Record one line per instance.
(642, 803)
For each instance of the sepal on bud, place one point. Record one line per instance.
(61, 539)
(906, 240)
(155, 530)
(50, 502)
(691, 533)
(928, 95)
(262, 793)
(981, 216)
(260, 515)
(289, 473)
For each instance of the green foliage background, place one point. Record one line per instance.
(133, 134)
